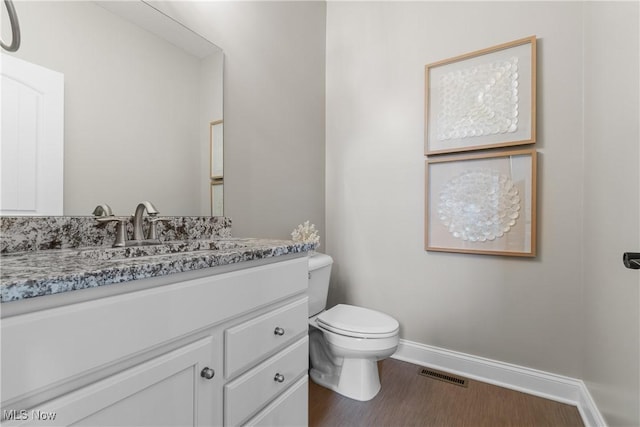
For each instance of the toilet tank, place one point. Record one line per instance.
(319, 275)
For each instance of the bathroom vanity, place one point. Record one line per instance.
(224, 344)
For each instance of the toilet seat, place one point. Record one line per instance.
(357, 322)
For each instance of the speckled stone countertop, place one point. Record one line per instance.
(28, 233)
(51, 255)
(45, 272)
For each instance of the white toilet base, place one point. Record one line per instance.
(356, 379)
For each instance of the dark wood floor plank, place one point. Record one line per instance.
(408, 399)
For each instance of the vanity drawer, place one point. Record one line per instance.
(251, 391)
(251, 341)
(291, 408)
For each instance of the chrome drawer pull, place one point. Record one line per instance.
(278, 331)
(207, 373)
(279, 378)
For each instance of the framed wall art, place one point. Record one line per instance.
(482, 99)
(482, 203)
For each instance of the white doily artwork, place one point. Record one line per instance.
(479, 205)
(479, 100)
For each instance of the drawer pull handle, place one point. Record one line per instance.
(207, 373)
(279, 378)
(278, 331)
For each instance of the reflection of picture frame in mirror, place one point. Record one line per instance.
(216, 148)
(482, 203)
(482, 99)
(217, 199)
(216, 167)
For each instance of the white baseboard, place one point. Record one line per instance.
(543, 384)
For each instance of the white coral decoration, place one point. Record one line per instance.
(306, 233)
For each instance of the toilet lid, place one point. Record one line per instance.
(358, 322)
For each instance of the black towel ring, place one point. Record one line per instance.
(15, 28)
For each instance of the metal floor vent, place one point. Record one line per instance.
(443, 376)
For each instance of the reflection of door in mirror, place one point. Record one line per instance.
(216, 148)
(32, 139)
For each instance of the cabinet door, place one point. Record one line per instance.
(165, 391)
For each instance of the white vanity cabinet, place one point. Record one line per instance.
(229, 348)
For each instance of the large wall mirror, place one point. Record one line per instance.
(140, 94)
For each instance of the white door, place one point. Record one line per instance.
(32, 132)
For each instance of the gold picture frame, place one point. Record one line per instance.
(483, 99)
(483, 203)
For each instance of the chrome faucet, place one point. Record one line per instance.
(138, 233)
(104, 214)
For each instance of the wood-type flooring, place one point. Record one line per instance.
(409, 399)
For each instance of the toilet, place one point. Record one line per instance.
(345, 342)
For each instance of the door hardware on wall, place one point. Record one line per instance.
(631, 260)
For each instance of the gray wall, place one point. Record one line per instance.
(612, 209)
(572, 310)
(523, 311)
(274, 110)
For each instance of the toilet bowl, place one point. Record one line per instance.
(345, 344)
(346, 341)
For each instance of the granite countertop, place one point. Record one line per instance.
(36, 273)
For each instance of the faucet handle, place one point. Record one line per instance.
(154, 218)
(153, 231)
(103, 210)
(121, 229)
